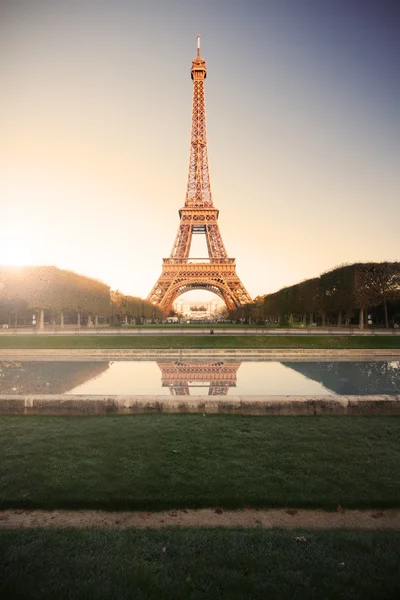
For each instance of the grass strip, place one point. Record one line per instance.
(191, 341)
(198, 564)
(156, 462)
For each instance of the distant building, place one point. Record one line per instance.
(191, 309)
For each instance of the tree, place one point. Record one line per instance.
(357, 286)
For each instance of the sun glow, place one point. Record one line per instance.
(17, 249)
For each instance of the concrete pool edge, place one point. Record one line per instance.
(61, 404)
(198, 353)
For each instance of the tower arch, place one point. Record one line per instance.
(219, 289)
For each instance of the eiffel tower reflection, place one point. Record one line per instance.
(181, 376)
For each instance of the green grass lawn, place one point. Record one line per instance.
(200, 564)
(205, 341)
(152, 462)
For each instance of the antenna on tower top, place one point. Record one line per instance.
(198, 46)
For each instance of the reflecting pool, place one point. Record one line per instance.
(199, 377)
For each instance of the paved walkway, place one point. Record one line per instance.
(321, 354)
(212, 517)
(202, 331)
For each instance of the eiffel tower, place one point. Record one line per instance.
(217, 272)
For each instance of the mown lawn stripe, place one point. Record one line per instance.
(155, 462)
(193, 342)
(199, 564)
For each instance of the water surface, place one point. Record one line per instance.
(199, 377)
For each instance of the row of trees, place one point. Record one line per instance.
(58, 293)
(132, 309)
(333, 297)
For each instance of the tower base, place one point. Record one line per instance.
(217, 275)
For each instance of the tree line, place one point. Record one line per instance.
(350, 294)
(132, 309)
(360, 293)
(59, 296)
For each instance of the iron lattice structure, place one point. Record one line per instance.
(180, 376)
(217, 272)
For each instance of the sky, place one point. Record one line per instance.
(303, 125)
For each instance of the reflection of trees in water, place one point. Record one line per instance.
(180, 376)
(357, 378)
(49, 377)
